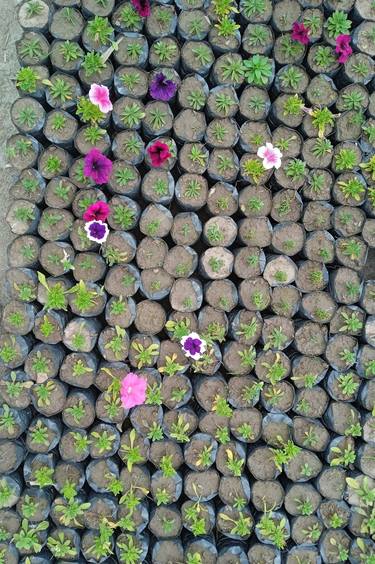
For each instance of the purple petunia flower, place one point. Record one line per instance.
(193, 346)
(161, 88)
(343, 48)
(97, 231)
(300, 33)
(143, 7)
(97, 167)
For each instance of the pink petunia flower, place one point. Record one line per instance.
(97, 231)
(343, 48)
(133, 390)
(300, 33)
(271, 156)
(98, 210)
(97, 166)
(99, 95)
(193, 346)
(142, 7)
(159, 152)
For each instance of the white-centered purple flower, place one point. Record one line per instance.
(97, 231)
(193, 346)
(271, 156)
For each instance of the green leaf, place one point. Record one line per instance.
(42, 280)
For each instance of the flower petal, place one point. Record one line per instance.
(261, 152)
(267, 165)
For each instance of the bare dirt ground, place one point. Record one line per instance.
(9, 33)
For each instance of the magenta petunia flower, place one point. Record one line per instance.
(133, 390)
(193, 346)
(161, 88)
(343, 48)
(99, 95)
(98, 211)
(97, 231)
(97, 166)
(271, 156)
(300, 33)
(159, 152)
(142, 7)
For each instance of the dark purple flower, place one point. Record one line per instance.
(193, 346)
(161, 88)
(343, 47)
(300, 33)
(97, 231)
(142, 7)
(97, 167)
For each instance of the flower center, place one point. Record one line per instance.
(95, 166)
(270, 156)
